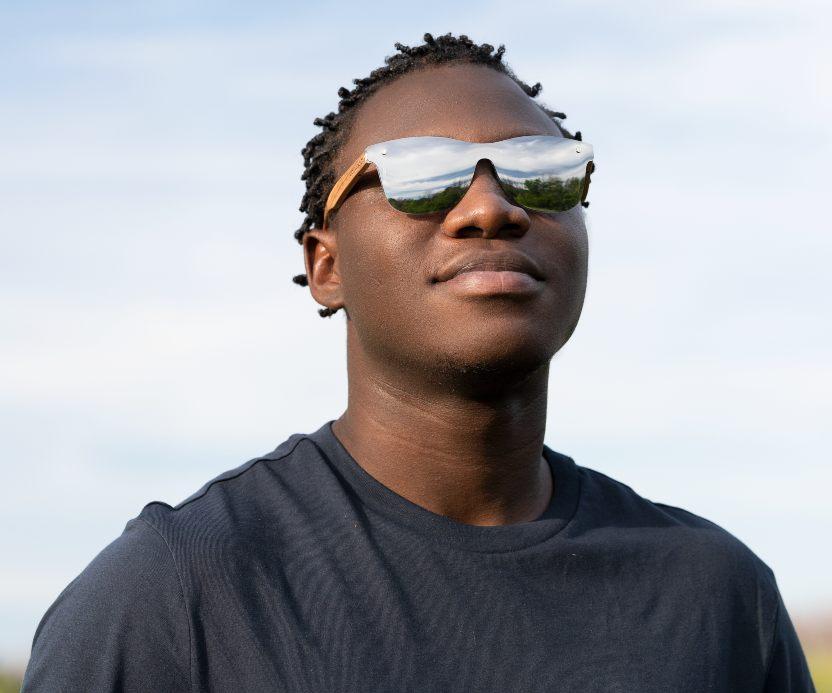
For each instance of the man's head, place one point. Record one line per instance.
(384, 266)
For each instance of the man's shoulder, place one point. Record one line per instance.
(618, 501)
(132, 601)
(668, 531)
(126, 607)
(242, 489)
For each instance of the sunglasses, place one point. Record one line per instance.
(424, 175)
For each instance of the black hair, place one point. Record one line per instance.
(320, 151)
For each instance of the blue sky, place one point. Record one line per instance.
(150, 336)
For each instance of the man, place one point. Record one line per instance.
(427, 539)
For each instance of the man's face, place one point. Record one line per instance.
(386, 262)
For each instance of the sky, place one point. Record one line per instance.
(151, 337)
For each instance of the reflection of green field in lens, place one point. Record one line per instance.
(442, 200)
(547, 195)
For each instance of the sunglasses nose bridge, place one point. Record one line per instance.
(485, 169)
(485, 209)
(484, 180)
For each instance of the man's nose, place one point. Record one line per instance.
(485, 210)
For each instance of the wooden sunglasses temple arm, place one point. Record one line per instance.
(343, 186)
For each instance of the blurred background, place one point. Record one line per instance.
(151, 337)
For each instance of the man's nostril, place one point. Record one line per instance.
(470, 232)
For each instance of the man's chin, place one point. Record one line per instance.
(490, 372)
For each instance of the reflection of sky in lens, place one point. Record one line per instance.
(419, 166)
(425, 187)
(564, 173)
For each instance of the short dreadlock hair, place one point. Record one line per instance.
(319, 153)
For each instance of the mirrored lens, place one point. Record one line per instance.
(422, 175)
(542, 192)
(545, 174)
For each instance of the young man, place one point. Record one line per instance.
(427, 539)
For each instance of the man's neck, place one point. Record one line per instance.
(475, 460)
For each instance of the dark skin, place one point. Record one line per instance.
(448, 393)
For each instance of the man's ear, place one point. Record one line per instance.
(320, 256)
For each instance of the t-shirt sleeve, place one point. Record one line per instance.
(121, 625)
(788, 671)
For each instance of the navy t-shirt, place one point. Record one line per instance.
(299, 571)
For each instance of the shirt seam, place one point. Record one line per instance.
(249, 465)
(184, 601)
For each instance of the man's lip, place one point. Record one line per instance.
(478, 282)
(494, 262)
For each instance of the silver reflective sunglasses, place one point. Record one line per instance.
(423, 175)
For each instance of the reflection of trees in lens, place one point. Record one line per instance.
(542, 194)
(546, 194)
(444, 199)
